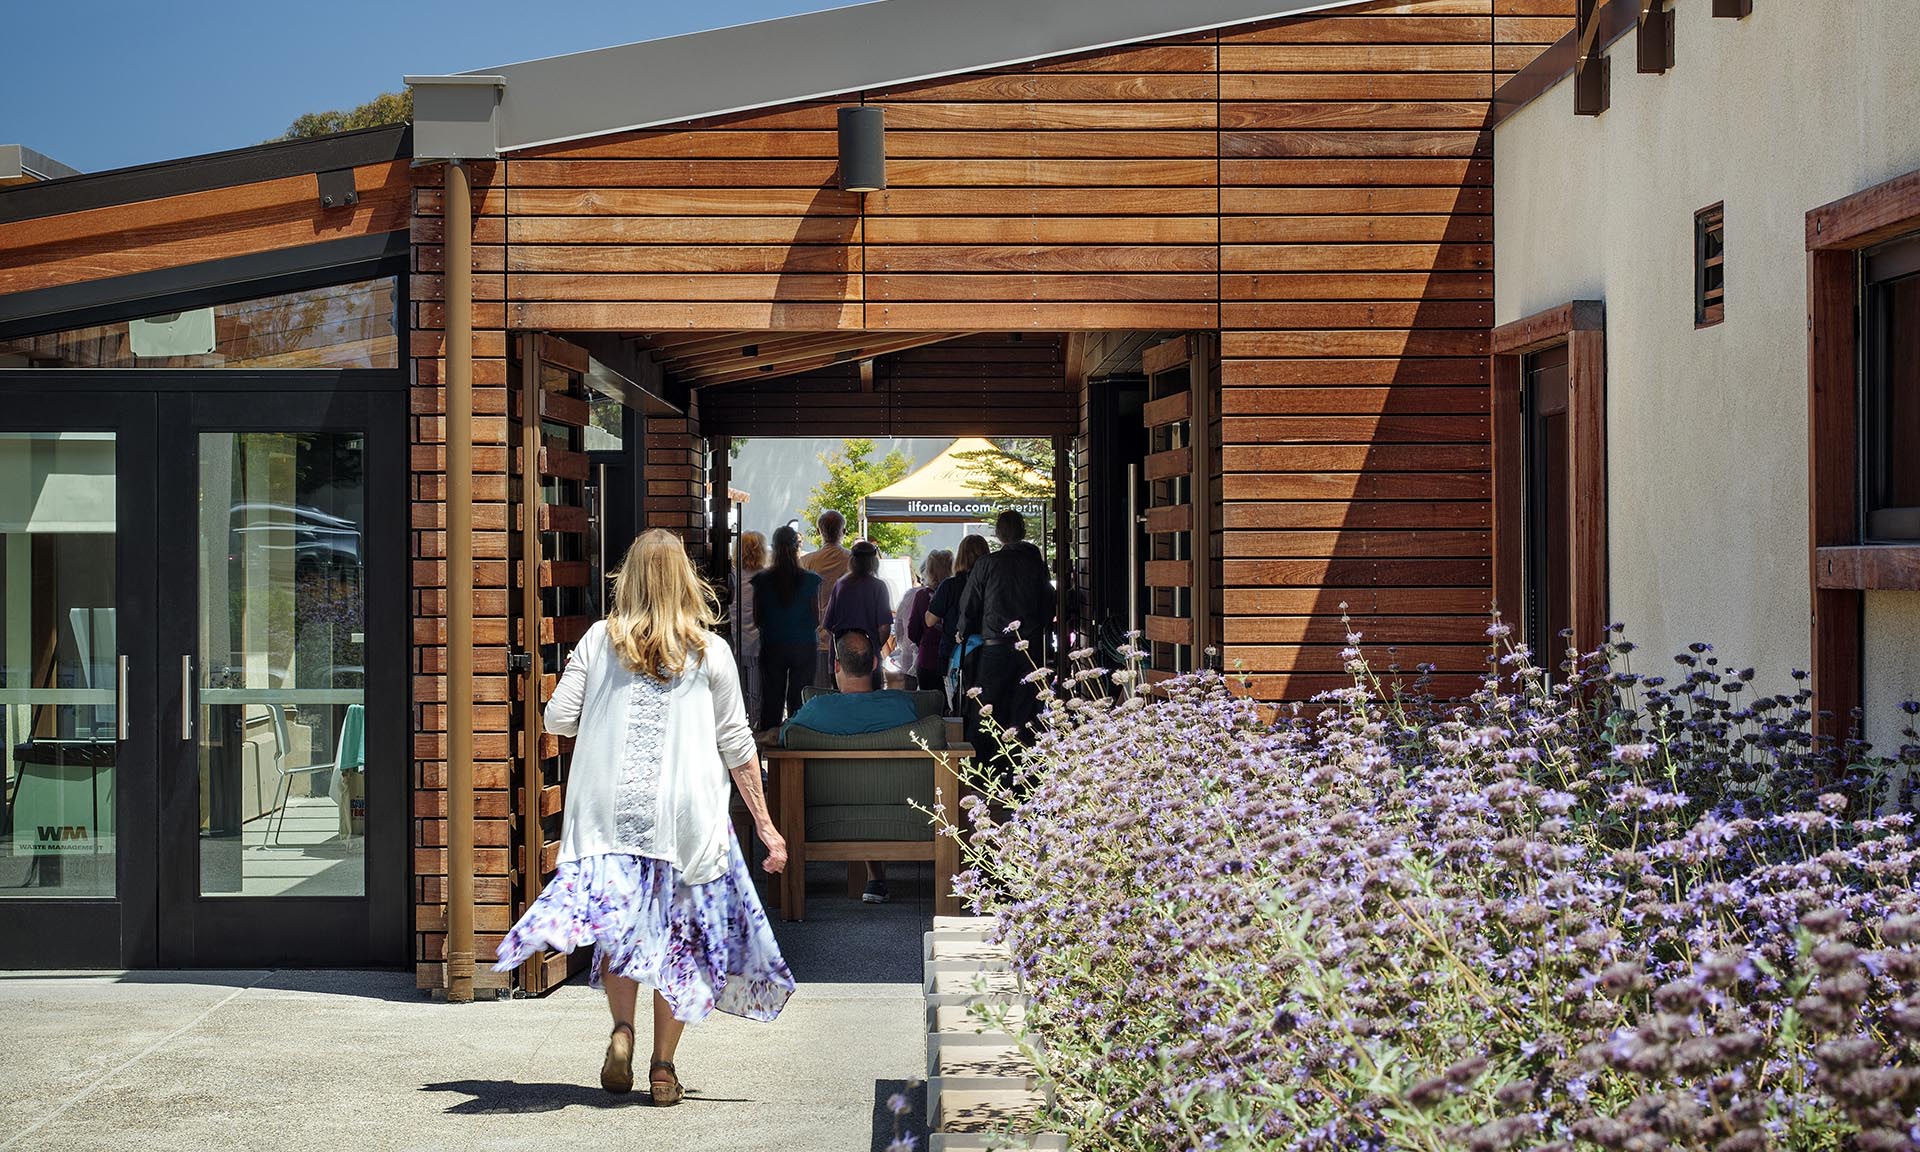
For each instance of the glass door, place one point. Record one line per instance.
(284, 761)
(76, 690)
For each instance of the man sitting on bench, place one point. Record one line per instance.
(857, 709)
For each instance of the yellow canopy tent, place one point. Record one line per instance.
(943, 491)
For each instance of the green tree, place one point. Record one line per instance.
(851, 475)
(386, 108)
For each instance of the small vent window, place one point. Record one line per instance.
(1709, 266)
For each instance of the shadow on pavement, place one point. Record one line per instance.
(511, 1097)
(913, 1123)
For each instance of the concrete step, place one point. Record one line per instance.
(987, 1109)
(990, 1059)
(973, 979)
(962, 923)
(962, 948)
(957, 1019)
(995, 1142)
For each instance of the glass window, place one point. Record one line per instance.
(281, 726)
(59, 664)
(342, 326)
(1890, 412)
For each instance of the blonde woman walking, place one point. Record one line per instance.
(650, 873)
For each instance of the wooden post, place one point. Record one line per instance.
(1587, 484)
(1832, 431)
(1200, 494)
(532, 841)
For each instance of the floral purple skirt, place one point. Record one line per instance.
(701, 946)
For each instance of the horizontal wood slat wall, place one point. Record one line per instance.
(1316, 189)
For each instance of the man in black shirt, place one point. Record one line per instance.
(1008, 599)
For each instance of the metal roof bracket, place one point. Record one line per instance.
(336, 188)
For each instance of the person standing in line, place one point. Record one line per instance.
(830, 562)
(1008, 599)
(945, 606)
(928, 672)
(861, 602)
(785, 599)
(650, 873)
(753, 558)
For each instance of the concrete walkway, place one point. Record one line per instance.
(345, 1061)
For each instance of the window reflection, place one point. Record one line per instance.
(281, 678)
(341, 326)
(58, 664)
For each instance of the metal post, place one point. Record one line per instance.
(1133, 547)
(459, 661)
(1062, 545)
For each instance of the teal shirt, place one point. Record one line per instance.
(853, 713)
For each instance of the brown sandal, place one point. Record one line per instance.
(666, 1091)
(616, 1074)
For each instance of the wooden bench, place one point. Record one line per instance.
(787, 794)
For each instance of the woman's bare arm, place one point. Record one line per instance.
(746, 778)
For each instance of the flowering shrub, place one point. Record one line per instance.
(1613, 912)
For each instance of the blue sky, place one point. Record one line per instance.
(107, 83)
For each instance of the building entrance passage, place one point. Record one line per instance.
(202, 672)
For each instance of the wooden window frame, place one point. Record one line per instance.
(1706, 314)
(1843, 567)
(1581, 326)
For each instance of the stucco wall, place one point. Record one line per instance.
(1794, 106)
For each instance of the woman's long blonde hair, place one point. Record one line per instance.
(662, 609)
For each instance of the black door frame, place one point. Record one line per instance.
(244, 931)
(122, 929)
(156, 917)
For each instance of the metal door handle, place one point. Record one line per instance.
(120, 703)
(186, 697)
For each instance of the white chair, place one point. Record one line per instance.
(283, 788)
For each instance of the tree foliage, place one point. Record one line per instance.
(851, 475)
(386, 108)
(1019, 470)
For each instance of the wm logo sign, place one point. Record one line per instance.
(51, 834)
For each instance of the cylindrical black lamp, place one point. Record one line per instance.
(863, 148)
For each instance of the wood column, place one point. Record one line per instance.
(1833, 432)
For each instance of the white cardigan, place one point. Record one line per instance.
(650, 760)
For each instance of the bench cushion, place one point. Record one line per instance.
(928, 730)
(925, 703)
(843, 822)
(870, 799)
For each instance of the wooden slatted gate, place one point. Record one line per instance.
(1180, 516)
(550, 603)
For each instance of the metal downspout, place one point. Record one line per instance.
(459, 550)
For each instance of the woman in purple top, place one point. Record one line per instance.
(931, 671)
(861, 600)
